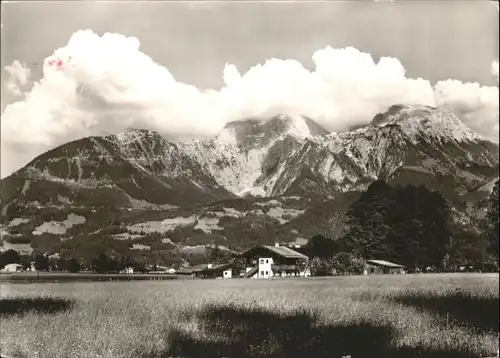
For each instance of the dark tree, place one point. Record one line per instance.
(320, 267)
(62, 264)
(346, 263)
(419, 220)
(101, 263)
(53, 264)
(368, 221)
(407, 225)
(216, 255)
(435, 235)
(321, 247)
(26, 261)
(73, 265)
(9, 257)
(468, 247)
(41, 262)
(492, 221)
(127, 261)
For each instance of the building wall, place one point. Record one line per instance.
(227, 273)
(378, 270)
(12, 268)
(265, 259)
(265, 270)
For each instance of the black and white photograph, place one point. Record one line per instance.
(249, 179)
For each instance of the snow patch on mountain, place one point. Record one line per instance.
(235, 157)
(298, 127)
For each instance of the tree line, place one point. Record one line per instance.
(410, 226)
(102, 263)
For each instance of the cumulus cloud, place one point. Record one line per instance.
(475, 105)
(107, 84)
(18, 75)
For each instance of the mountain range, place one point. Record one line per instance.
(283, 176)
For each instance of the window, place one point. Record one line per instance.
(267, 273)
(262, 261)
(267, 261)
(262, 273)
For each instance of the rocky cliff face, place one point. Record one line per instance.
(134, 168)
(258, 180)
(405, 145)
(274, 157)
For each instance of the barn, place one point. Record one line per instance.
(208, 271)
(382, 267)
(12, 268)
(214, 271)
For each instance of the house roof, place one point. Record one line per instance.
(215, 268)
(298, 241)
(204, 268)
(189, 270)
(13, 265)
(282, 251)
(384, 263)
(286, 252)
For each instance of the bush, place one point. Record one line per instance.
(9, 257)
(345, 263)
(73, 265)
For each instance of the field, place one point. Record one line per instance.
(36, 276)
(447, 315)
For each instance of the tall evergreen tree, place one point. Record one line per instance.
(9, 257)
(367, 218)
(41, 262)
(408, 225)
(493, 220)
(436, 234)
(73, 265)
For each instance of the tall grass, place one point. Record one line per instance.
(390, 316)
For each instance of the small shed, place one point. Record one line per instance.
(13, 268)
(214, 271)
(382, 267)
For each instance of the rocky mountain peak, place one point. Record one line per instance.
(131, 135)
(268, 157)
(258, 132)
(425, 121)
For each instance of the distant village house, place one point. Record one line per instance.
(12, 268)
(221, 271)
(127, 270)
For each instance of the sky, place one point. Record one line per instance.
(187, 68)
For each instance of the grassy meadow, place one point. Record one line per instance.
(442, 315)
